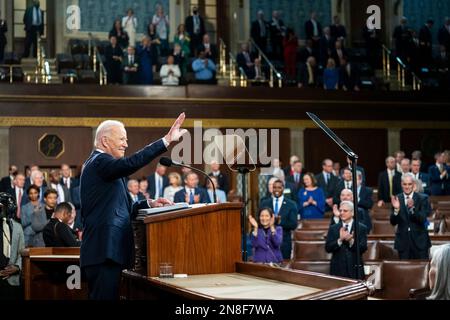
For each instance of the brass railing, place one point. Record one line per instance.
(42, 71)
(237, 76)
(11, 69)
(96, 58)
(273, 73)
(402, 70)
(222, 57)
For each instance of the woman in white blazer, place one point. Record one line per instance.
(129, 24)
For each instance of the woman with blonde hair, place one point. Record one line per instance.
(173, 187)
(439, 274)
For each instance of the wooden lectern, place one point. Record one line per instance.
(200, 240)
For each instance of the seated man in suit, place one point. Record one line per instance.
(409, 213)
(439, 176)
(157, 182)
(133, 190)
(363, 215)
(209, 48)
(244, 59)
(285, 211)
(423, 180)
(191, 193)
(328, 182)
(341, 243)
(389, 182)
(57, 232)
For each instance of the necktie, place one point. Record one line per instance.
(157, 195)
(191, 197)
(326, 178)
(19, 201)
(131, 60)
(346, 227)
(296, 178)
(276, 208)
(160, 187)
(390, 184)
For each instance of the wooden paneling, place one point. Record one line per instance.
(369, 145)
(428, 141)
(24, 151)
(196, 241)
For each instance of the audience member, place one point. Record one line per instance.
(133, 191)
(195, 27)
(311, 199)
(426, 44)
(57, 232)
(277, 33)
(349, 78)
(12, 245)
(40, 218)
(183, 38)
(326, 46)
(130, 65)
(402, 37)
(331, 76)
(345, 183)
(173, 187)
(244, 59)
(222, 178)
(33, 20)
(260, 31)
(363, 215)
(34, 206)
(338, 53)
(327, 181)
(170, 73)
(340, 242)
(221, 197)
(68, 182)
(157, 182)
(439, 274)
(7, 182)
(129, 24)
(307, 76)
(18, 193)
(54, 179)
(444, 34)
(209, 48)
(113, 61)
(409, 214)
(285, 212)
(37, 178)
(121, 35)
(389, 182)
(143, 187)
(205, 69)
(307, 51)
(145, 67)
(191, 193)
(422, 178)
(289, 170)
(155, 41)
(266, 238)
(296, 179)
(439, 176)
(337, 30)
(290, 44)
(180, 59)
(161, 22)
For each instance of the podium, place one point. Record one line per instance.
(201, 240)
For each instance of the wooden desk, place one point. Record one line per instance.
(249, 281)
(45, 274)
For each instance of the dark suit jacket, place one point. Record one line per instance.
(151, 185)
(344, 257)
(303, 76)
(330, 188)
(212, 50)
(363, 217)
(5, 184)
(241, 62)
(338, 31)
(28, 20)
(337, 193)
(444, 37)
(12, 191)
(411, 232)
(180, 196)
(349, 81)
(383, 185)
(425, 178)
(309, 29)
(288, 213)
(190, 26)
(365, 198)
(255, 31)
(128, 76)
(3, 30)
(438, 186)
(294, 186)
(425, 36)
(223, 182)
(106, 205)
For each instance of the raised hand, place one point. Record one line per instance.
(395, 202)
(336, 212)
(175, 131)
(253, 222)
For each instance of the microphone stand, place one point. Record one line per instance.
(243, 170)
(353, 158)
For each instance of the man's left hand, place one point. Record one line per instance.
(161, 202)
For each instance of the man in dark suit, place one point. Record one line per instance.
(259, 31)
(402, 36)
(33, 19)
(340, 242)
(423, 179)
(296, 179)
(363, 215)
(67, 182)
(133, 190)
(326, 46)
(349, 77)
(286, 212)
(208, 48)
(277, 33)
(409, 213)
(7, 182)
(157, 182)
(439, 176)
(107, 246)
(426, 44)
(244, 59)
(338, 52)
(345, 183)
(289, 170)
(195, 27)
(389, 182)
(308, 74)
(328, 182)
(18, 192)
(222, 179)
(130, 65)
(313, 30)
(3, 30)
(364, 193)
(337, 30)
(191, 193)
(444, 34)
(113, 61)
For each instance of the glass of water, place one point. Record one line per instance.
(165, 270)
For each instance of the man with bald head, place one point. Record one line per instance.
(106, 205)
(389, 182)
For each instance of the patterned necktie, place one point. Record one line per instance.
(19, 201)
(191, 197)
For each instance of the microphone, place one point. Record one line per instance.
(167, 162)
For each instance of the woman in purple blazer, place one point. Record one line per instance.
(266, 238)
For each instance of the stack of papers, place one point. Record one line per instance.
(151, 211)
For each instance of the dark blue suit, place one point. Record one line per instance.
(108, 242)
(151, 189)
(180, 196)
(425, 178)
(439, 187)
(288, 213)
(411, 239)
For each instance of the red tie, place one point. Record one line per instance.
(19, 201)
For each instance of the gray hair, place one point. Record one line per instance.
(440, 259)
(409, 175)
(34, 174)
(104, 129)
(349, 204)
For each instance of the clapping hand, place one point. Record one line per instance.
(253, 222)
(336, 212)
(395, 202)
(410, 203)
(176, 132)
(161, 202)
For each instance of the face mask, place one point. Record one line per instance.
(195, 12)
